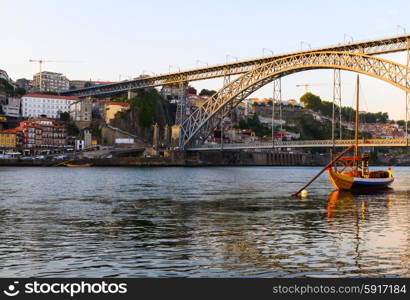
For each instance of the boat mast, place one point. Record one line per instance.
(356, 132)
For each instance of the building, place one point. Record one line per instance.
(197, 101)
(112, 108)
(50, 82)
(77, 84)
(40, 135)
(8, 139)
(3, 74)
(37, 105)
(191, 91)
(80, 111)
(25, 84)
(12, 108)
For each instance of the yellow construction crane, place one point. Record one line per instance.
(41, 61)
(307, 85)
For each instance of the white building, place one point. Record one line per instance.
(12, 108)
(36, 105)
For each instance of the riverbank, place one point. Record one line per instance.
(198, 159)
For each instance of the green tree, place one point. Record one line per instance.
(145, 102)
(72, 130)
(65, 116)
(255, 125)
(311, 101)
(205, 92)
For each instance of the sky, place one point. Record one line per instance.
(112, 40)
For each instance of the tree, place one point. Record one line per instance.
(205, 92)
(311, 101)
(145, 102)
(401, 123)
(255, 125)
(65, 116)
(72, 130)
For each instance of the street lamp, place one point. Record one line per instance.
(304, 43)
(399, 27)
(347, 39)
(143, 72)
(202, 62)
(234, 57)
(268, 50)
(176, 67)
(125, 76)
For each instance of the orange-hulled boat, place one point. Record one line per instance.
(352, 173)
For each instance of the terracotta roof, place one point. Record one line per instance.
(41, 119)
(13, 130)
(52, 96)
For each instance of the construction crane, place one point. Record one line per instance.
(40, 64)
(307, 85)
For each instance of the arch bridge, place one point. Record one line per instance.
(203, 120)
(195, 128)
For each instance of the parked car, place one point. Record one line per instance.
(27, 158)
(61, 157)
(40, 157)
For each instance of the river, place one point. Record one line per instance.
(198, 222)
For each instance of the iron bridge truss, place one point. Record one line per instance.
(371, 47)
(201, 122)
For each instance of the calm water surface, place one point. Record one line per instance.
(197, 222)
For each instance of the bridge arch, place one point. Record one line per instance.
(205, 118)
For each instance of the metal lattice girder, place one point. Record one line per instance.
(337, 103)
(373, 47)
(277, 98)
(181, 106)
(239, 89)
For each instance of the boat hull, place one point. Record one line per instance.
(345, 182)
(77, 166)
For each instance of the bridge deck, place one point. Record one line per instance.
(303, 144)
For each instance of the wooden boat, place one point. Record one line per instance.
(76, 166)
(347, 181)
(352, 173)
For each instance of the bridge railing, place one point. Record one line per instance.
(300, 144)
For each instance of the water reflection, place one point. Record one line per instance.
(214, 222)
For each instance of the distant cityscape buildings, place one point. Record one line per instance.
(50, 82)
(12, 107)
(36, 105)
(81, 110)
(35, 136)
(28, 118)
(3, 74)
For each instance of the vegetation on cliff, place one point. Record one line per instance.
(314, 103)
(145, 102)
(9, 90)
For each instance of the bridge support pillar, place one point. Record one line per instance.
(155, 138)
(176, 136)
(337, 103)
(167, 136)
(131, 94)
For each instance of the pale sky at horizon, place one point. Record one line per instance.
(107, 39)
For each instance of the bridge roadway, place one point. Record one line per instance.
(302, 144)
(371, 47)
